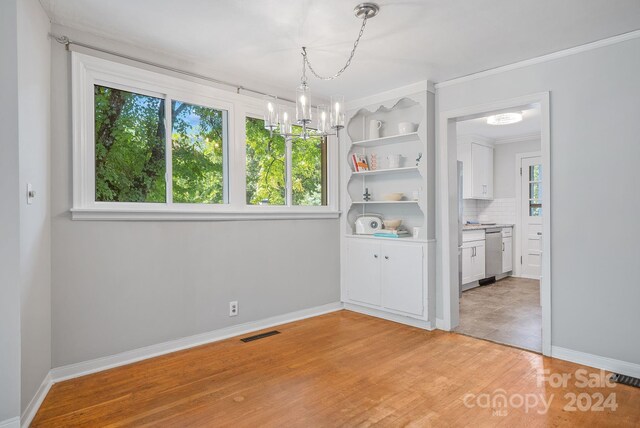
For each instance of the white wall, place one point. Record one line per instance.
(34, 89)
(504, 166)
(9, 217)
(118, 286)
(595, 148)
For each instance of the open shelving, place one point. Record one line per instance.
(387, 171)
(391, 139)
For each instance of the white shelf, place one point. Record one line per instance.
(393, 139)
(382, 202)
(382, 238)
(386, 171)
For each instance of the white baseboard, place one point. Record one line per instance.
(71, 371)
(35, 403)
(414, 322)
(604, 363)
(10, 423)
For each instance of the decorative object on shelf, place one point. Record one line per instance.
(394, 161)
(388, 233)
(406, 128)
(418, 159)
(393, 196)
(374, 129)
(368, 224)
(417, 233)
(366, 196)
(415, 195)
(359, 162)
(373, 161)
(331, 117)
(392, 224)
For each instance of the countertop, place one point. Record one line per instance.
(484, 226)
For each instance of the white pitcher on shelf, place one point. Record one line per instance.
(374, 129)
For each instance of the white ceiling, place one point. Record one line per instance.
(258, 41)
(529, 125)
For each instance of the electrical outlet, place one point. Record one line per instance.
(233, 308)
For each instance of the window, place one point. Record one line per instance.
(152, 146)
(267, 159)
(535, 190)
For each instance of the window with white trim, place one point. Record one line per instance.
(148, 145)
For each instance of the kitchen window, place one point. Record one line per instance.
(151, 146)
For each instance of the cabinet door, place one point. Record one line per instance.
(363, 275)
(478, 173)
(488, 178)
(402, 283)
(507, 254)
(478, 260)
(467, 264)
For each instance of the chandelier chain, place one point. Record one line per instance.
(305, 55)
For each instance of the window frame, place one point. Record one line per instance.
(88, 71)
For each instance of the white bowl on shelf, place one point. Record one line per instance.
(393, 197)
(392, 223)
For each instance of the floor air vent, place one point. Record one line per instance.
(260, 336)
(625, 380)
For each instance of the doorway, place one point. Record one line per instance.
(450, 237)
(530, 213)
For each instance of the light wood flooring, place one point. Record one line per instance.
(339, 369)
(507, 311)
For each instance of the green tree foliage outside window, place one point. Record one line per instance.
(130, 146)
(266, 168)
(130, 149)
(198, 159)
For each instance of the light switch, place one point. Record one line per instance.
(31, 194)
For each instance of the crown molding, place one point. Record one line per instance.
(518, 138)
(541, 59)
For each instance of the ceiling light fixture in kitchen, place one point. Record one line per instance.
(504, 118)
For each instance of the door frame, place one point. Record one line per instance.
(517, 242)
(447, 222)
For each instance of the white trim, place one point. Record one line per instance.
(541, 59)
(445, 179)
(591, 360)
(518, 139)
(71, 371)
(440, 324)
(228, 215)
(414, 322)
(10, 423)
(517, 238)
(35, 403)
(392, 94)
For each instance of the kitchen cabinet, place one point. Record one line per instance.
(477, 169)
(507, 250)
(473, 256)
(388, 275)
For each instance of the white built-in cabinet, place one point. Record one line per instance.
(386, 274)
(476, 154)
(393, 278)
(507, 250)
(473, 256)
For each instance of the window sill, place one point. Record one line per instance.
(119, 214)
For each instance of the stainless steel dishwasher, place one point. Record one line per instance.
(493, 255)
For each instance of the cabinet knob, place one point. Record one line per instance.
(375, 256)
(386, 257)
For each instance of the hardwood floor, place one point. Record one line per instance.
(340, 369)
(507, 311)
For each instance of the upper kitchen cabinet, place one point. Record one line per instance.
(476, 155)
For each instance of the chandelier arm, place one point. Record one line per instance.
(347, 64)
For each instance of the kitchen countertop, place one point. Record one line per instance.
(484, 226)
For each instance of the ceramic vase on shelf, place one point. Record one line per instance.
(374, 129)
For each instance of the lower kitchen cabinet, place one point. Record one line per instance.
(388, 275)
(473, 261)
(507, 254)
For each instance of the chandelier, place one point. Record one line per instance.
(279, 119)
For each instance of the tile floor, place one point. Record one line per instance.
(506, 312)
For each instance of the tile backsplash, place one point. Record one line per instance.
(497, 210)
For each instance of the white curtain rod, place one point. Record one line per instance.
(64, 40)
